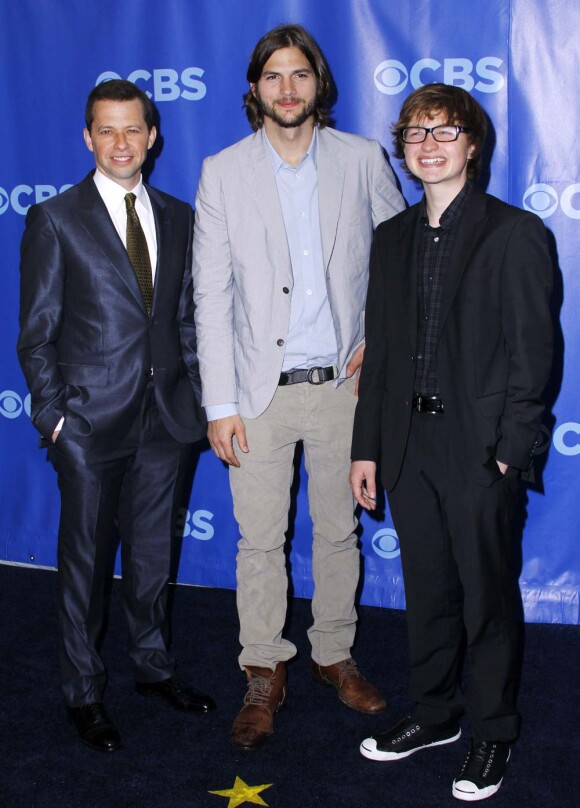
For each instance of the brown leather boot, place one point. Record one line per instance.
(266, 694)
(353, 689)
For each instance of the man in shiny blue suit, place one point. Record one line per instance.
(110, 361)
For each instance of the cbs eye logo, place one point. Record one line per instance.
(11, 405)
(543, 200)
(385, 543)
(391, 77)
(4, 201)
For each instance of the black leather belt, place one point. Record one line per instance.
(430, 404)
(310, 375)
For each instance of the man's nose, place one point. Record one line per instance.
(287, 86)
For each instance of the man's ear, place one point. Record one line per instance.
(88, 141)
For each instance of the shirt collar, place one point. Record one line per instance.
(453, 211)
(114, 194)
(276, 160)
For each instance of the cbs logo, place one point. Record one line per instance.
(197, 524)
(566, 439)
(391, 76)
(165, 84)
(543, 200)
(385, 543)
(11, 405)
(21, 197)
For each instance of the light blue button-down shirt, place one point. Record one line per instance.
(311, 340)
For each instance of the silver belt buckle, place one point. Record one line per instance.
(310, 376)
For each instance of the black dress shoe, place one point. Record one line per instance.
(95, 728)
(177, 694)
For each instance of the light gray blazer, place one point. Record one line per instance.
(242, 273)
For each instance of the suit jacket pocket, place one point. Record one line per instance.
(84, 375)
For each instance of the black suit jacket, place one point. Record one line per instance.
(494, 345)
(86, 344)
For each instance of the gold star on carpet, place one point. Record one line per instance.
(242, 792)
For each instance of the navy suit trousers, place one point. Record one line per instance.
(131, 494)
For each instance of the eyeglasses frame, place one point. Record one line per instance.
(430, 130)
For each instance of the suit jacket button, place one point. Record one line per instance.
(285, 290)
(280, 342)
(406, 403)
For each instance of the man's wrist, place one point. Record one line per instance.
(216, 411)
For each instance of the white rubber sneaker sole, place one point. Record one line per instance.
(368, 749)
(468, 792)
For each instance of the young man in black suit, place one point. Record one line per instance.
(108, 348)
(458, 351)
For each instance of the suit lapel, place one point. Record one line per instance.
(410, 234)
(262, 190)
(95, 219)
(330, 170)
(163, 231)
(466, 238)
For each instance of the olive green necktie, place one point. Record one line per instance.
(138, 251)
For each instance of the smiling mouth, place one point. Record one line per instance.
(431, 161)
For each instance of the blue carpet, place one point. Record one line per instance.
(174, 760)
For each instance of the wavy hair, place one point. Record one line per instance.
(289, 36)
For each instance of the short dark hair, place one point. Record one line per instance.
(119, 90)
(452, 103)
(289, 36)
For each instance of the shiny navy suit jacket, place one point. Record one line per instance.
(87, 345)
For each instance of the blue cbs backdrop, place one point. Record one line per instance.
(518, 57)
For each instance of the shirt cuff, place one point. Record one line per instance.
(216, 411)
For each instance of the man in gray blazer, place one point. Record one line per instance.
(284, 222)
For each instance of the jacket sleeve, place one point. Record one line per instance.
(213, 291)
(366, 440)
(42, 273)
(186, 319)
(527, 327)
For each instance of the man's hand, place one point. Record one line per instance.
(354, 366)
(363, 483)
(220, 434)
(503, 467)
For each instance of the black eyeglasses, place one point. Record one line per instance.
(442, 134)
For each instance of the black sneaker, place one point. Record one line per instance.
(481, 774)
(405, 739)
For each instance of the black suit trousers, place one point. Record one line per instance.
(456, 540)
(131, 494)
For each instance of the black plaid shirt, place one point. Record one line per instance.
(434, 254)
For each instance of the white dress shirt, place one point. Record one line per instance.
(113, 195)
